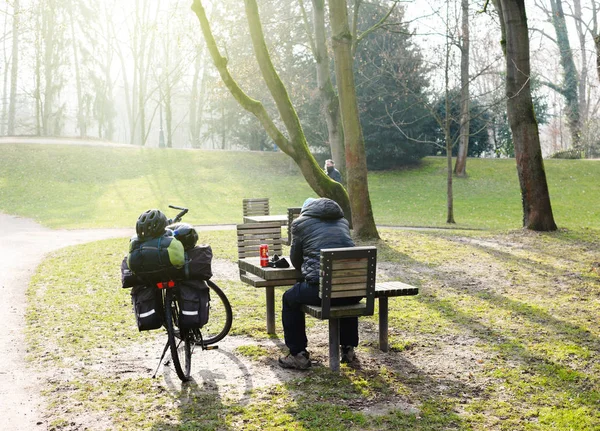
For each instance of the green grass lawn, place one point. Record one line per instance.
(504, 335)
(70, 186)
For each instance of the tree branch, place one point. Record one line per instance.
(249, 104)
(376, 26)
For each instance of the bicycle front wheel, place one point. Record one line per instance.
(220, 316)
(180, 341)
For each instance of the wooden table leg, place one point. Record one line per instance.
(270, 294)
(383, 324)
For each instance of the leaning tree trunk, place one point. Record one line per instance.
(460, 168)
(356, 160)
(537, 211)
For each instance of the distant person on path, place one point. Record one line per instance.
(321, 225)
(332, 172)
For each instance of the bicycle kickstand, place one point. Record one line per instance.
(161, 358)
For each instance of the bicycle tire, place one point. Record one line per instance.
(181, 347)
(220, 317)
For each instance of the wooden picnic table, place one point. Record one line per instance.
(269, 278)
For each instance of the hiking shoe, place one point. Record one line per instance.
(300, 361)
(348, 354)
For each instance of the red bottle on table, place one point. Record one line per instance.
(264, 255)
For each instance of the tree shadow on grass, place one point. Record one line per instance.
(200, 402)
(543, 361)
(373, 398)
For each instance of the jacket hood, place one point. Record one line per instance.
(323, 208)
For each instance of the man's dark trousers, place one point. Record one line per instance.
(294, 329)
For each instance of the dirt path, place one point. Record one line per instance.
(23, 244)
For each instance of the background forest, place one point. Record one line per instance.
(138, 72)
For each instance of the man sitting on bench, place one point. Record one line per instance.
(321, 225)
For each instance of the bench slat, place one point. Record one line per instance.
(348, 280)
(394, 288)
(349, 264)
(336, 312)
(256, 281)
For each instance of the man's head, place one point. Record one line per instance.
(329, 165)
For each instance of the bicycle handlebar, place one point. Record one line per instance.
(178, 217)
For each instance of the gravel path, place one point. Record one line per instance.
(23, 244)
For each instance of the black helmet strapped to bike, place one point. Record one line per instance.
(185, 233)
(151, 224)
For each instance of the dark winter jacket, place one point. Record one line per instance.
(321, 225)
(335, 175)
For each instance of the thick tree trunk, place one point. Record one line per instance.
(330, 104)
(537, 210)
(14, 71)
(356, 160)
(571, 77)
(460, 168)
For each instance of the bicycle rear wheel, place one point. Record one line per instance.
(220, 316)
(180, 343)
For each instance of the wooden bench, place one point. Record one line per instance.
(345, 273)
(293, 214)
(255, 206)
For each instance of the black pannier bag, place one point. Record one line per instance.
(128, 278)
(157, 259)
(198, 262)
(147, 305)
(194, 300)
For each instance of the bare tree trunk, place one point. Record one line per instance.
(5, 70)
(330, 104)
(460, 168)
(38, 75)
(571, 76)
(583, 78)
(81, 123)
(14, 71)
(596, 33)
(48, 26)
(447, 134)
(537, 210)
(356, 160)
